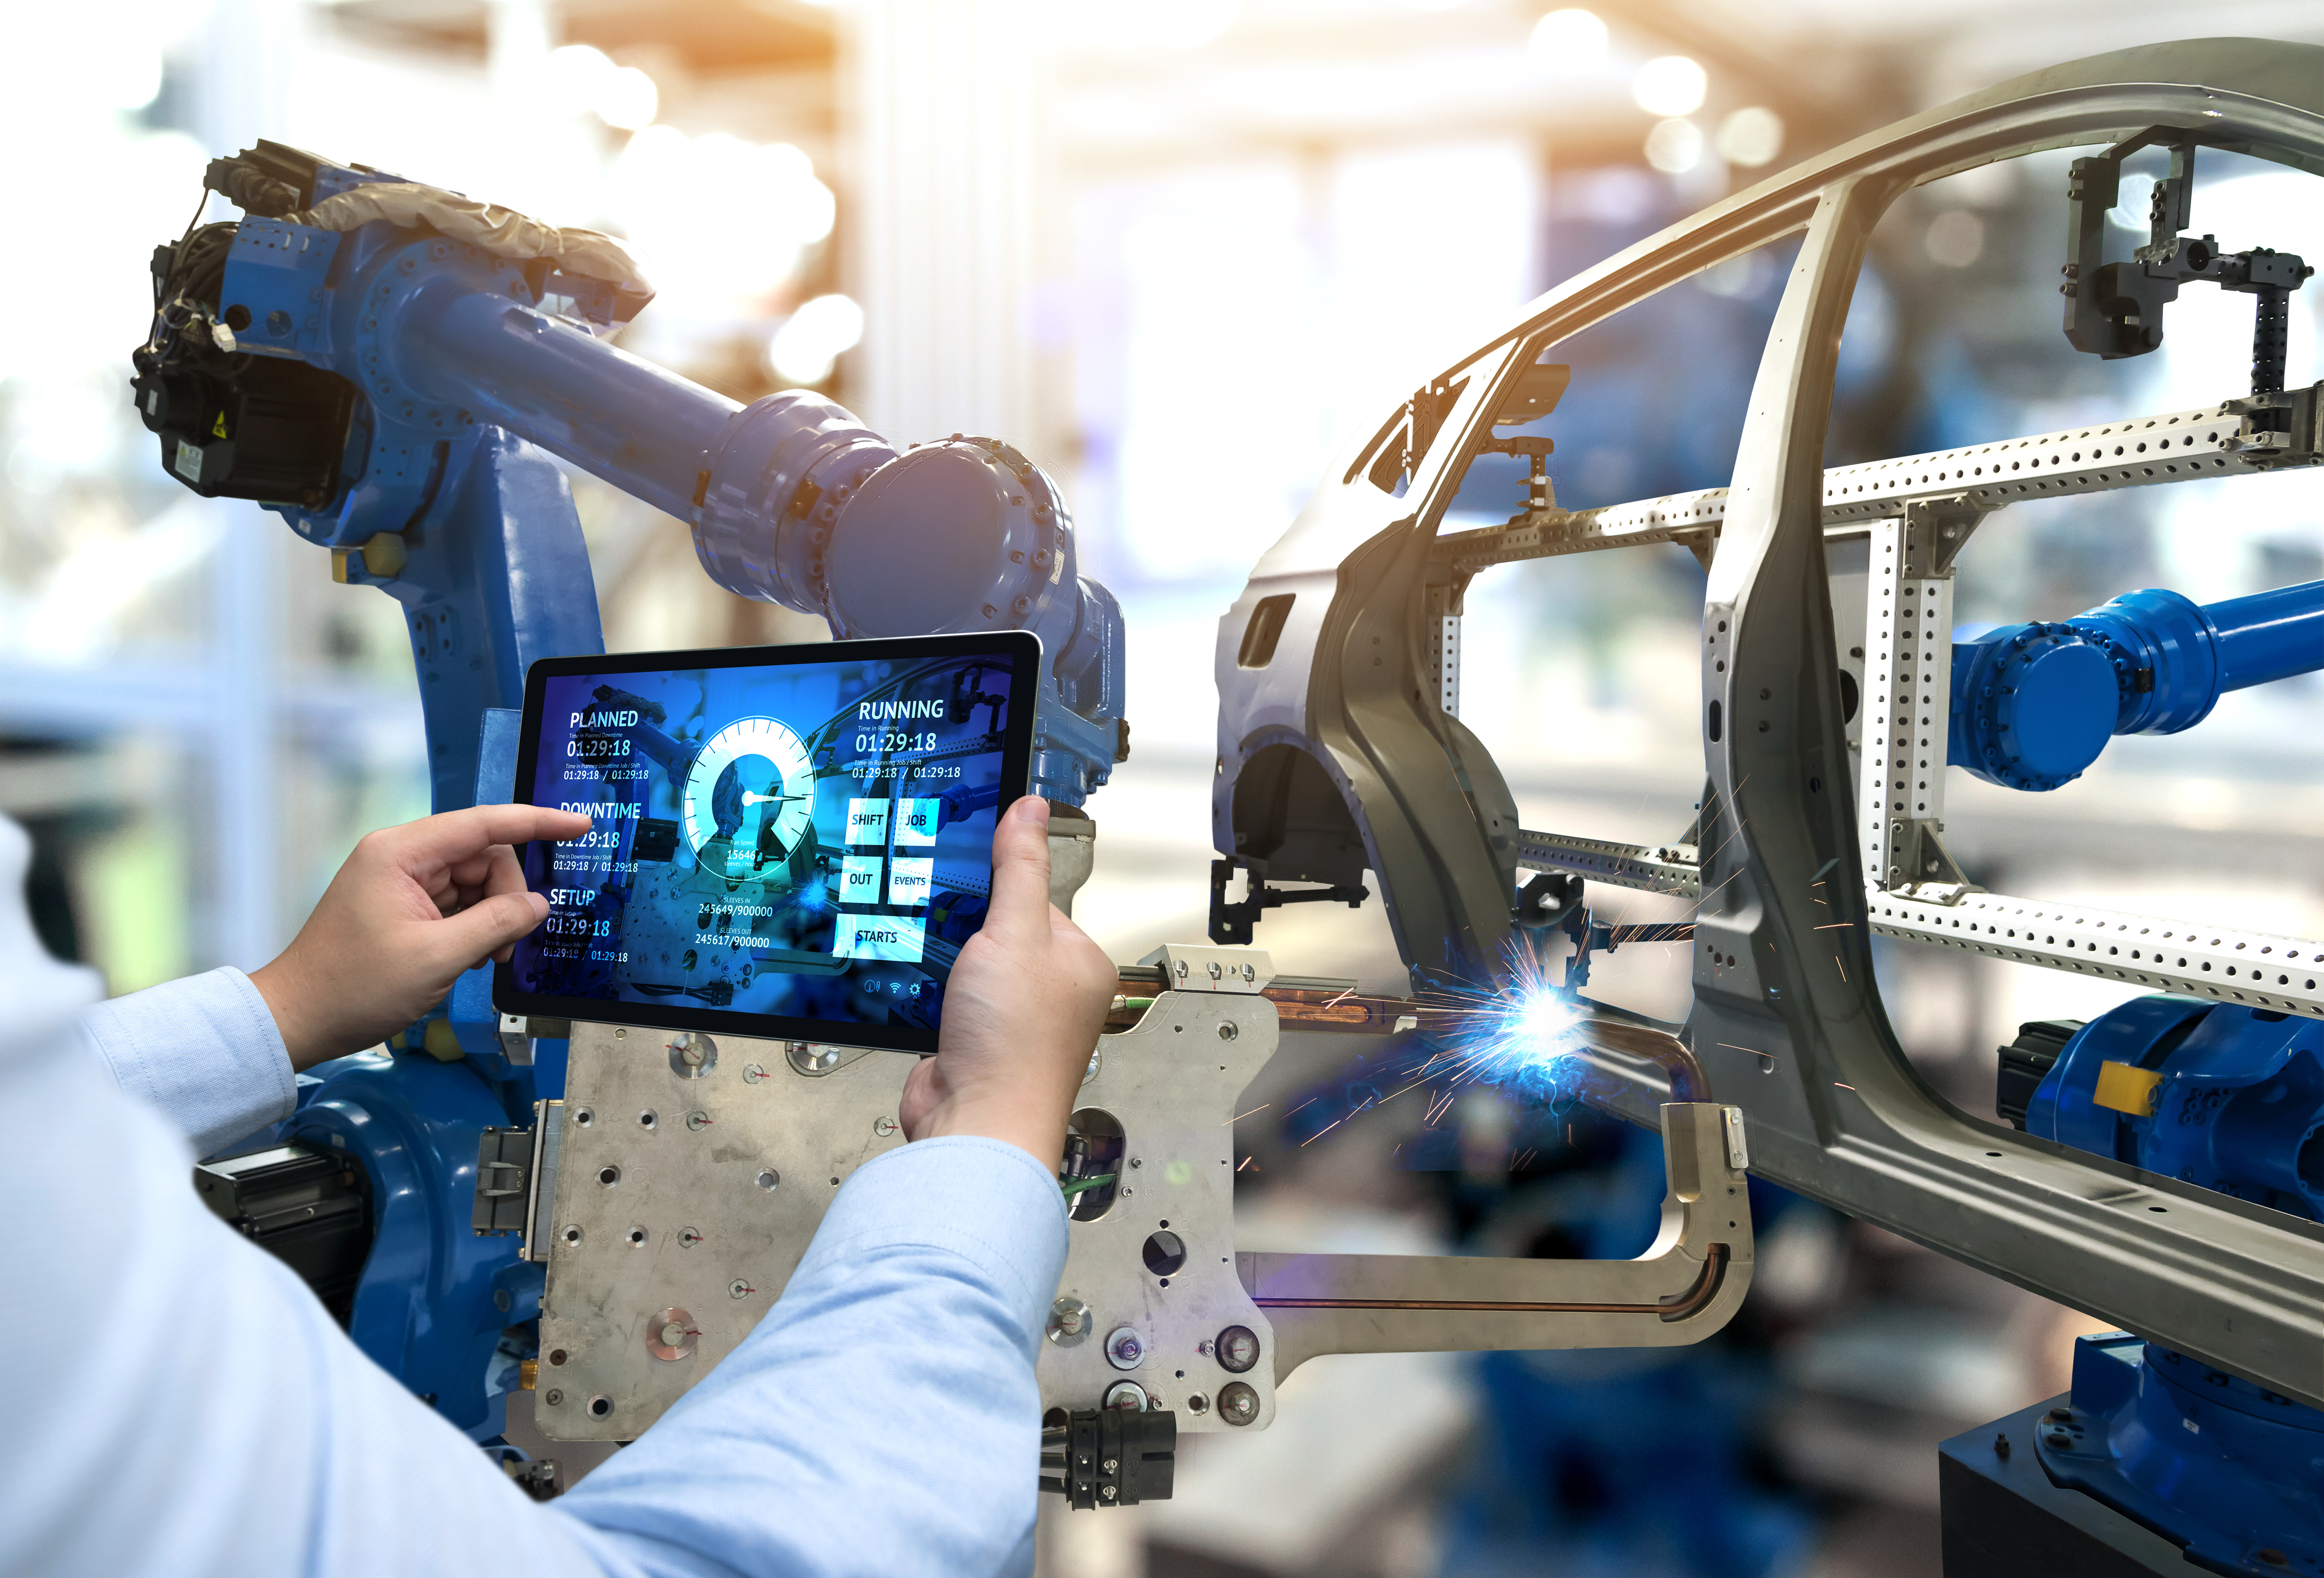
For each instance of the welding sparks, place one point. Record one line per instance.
(1523, 1038)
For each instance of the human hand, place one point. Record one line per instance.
(1021, 1012)
(413, 908)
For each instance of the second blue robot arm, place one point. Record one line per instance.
(2034, 704)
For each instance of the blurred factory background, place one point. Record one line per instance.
(1180, 252)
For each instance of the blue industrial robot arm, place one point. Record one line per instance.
(2032, 704)
(449, 331)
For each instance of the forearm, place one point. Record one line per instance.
(204, 1049)
(883, 1418)
(206, 1415)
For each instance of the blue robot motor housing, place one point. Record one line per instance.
(2221, 1095)
(2034, 704)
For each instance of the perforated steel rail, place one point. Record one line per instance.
(2183, 445)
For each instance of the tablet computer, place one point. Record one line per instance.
(790, 842)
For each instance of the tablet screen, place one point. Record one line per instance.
(789, 841)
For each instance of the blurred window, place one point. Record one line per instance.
(1647, 401)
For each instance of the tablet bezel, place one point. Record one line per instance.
(1022, 649)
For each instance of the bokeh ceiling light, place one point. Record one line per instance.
(718, 223)
(628, 100)
(1670, 85)
(1749, 138)
(586, 81)
(1571, 39)
(1675, 146)
(1185, 24)
(813, 339)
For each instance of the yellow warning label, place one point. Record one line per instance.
(217, 428)
(2125, 1088)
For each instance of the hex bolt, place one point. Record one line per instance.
(1237, 1404)
(1238, 1350)
(673, 1335)
(1125, 1349)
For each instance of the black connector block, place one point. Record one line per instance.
(1111, 1457)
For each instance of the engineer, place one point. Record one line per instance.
(179, 1403)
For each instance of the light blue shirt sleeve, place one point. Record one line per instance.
(185, 1406)
(204, 1049)
(883, 1418)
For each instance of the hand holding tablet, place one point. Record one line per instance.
(784, 842)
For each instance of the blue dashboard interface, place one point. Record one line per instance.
(811, 840)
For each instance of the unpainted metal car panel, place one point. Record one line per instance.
(1787, 1020)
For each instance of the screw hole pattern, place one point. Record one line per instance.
(2279, 974)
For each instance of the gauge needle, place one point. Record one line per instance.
(750, 798)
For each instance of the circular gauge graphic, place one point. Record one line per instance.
(752, 788)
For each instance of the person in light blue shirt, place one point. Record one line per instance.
(179, 1403)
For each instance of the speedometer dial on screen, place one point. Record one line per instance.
(750, 802)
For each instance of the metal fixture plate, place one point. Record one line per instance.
(1171, 1081)
(604, 1293)
(711, 1227)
